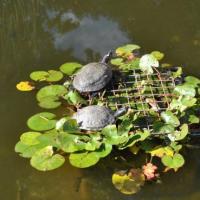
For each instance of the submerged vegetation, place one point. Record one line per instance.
(54, 136)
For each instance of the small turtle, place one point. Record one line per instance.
(93, 76)
(96, 117)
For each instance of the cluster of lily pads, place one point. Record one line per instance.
(54, 136)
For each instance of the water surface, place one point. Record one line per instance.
(41, 34)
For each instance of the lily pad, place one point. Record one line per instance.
(185, 89)
(70, 68)
(161, 151)
(50, 76)
(42, 121)
(30, 138)
(174, 162)
(27, 151)
(45, 159)
(51, 91)
(128, 183)
(126, 50)
(193, 119)
(147, 62)
(117, 61)
(192, 81)
(179, 135)
(169, 118)
(74, 98)
(84, 159)
(158, 55)
(49, 102)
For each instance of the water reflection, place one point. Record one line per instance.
(97, 34)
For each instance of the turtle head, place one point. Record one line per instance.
(120, 112)
(107, 57)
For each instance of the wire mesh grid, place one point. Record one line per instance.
(140, 92)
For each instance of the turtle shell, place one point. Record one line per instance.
(94, 117)
(92, 77)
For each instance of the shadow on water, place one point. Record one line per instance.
(41, 34)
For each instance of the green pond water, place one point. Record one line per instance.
(41, 34)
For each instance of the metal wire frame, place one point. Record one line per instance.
(140, 92)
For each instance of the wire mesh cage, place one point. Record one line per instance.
(142, 93)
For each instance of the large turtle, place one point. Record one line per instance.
(96, 117)
(93, 76)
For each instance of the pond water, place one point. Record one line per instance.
(41, 34)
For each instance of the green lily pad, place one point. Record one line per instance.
(84, 159)
(192, 81)
(74, 98)
(30, 138)
(104, 150)
(179, 135)
(174, 162)
(128, 183)
(185, 89)
(39, 75)
(158, 55)
(162, 128)
(49, 102)
(134, 138)
(51, 91)
(42, 121)
(193, 119)
(169, 118)
(111, 135)
(70, 68)
(178, 73)
(126, 49)
(147, 62)
(27, 151)
(45, 159)
(117, 61)
(71, 126)
(50, 76)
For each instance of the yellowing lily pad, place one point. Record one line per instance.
(25, 86)
(30, 138)
(128, 183)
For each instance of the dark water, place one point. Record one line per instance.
(41, 34)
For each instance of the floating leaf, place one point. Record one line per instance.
(170, 118)
(185, 89)
(158, 55)
(104, 150)
(193, 119)
(71, 126)
(174, 162)
(84, 159)
(134, 138)
(126, 50)
(42, 121)
(192, 81)
(117, 61)
(45, 160)
(70, 68)
(179, 135)
(49, 102)
(25, 86)
(128, 183)
(50, 76)
(27, 151)
(74, 98)
(30, 138)
(51, 91)
(160, 151)
(147, 62)
(178, 73)
(162, 128)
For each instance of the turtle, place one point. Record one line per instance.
(96, 117)
(93, 76)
